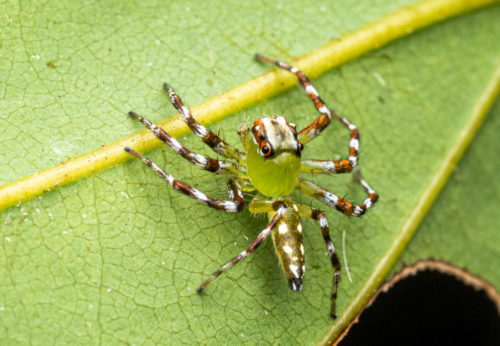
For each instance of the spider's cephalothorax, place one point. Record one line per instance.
(273, 156)
(271, 165)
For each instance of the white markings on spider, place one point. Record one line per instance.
(283, 228)
(355, 144)
(311, 90)
(295, 270)
(325, 110)
(331, 199)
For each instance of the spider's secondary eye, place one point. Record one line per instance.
(301, 147)
(265, 149)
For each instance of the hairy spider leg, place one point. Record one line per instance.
(207, 163)
(320, 123)
(337, 166)
(209, 137)
(319, 216)
(335, 201)
(250, 249)
(234, 205)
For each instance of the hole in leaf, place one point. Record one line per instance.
(429, 303)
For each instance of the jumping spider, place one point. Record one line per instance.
(270, 165)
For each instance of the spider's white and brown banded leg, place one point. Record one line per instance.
(335, 201)
(319, 216)
(207, 163)
(320, 123)
(337, 166)
(233, 205)
(209, 137)
(250, 249)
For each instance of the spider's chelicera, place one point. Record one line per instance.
(270, 165)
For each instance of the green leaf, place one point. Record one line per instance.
(462, 226)
(117, 257)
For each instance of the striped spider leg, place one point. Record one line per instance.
(319, 216)
(210, 138)
(324, 119)
(279, 210)
(235, 202)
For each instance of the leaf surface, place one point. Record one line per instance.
(117, 257)
(462, 225)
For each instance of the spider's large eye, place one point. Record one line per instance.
(265, 148)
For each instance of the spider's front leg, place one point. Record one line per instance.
(209, 137)
(320, 123)
(234, 205)
(319, 216)
(207, 163)
(280, 210)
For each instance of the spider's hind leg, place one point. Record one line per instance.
(319, 216)
(250, 249)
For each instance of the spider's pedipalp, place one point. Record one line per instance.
(234, 205)
(209, 137)
(243, 133)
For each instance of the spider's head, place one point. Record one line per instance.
(274, 136)
(273, 157)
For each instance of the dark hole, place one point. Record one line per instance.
(429, 308)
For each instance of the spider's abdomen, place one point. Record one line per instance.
(287, 239)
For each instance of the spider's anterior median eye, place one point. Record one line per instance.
(265, 149)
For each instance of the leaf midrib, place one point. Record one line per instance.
(334, 53)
